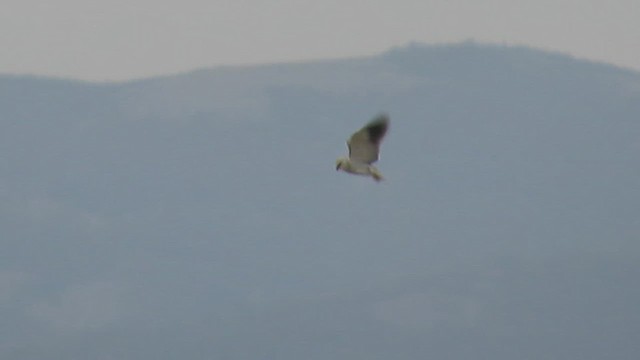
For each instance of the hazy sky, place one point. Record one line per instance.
(123, 39)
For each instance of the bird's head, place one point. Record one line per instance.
(341, 163)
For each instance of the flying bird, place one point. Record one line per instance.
(364, 147)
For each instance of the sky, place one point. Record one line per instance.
(127, 39)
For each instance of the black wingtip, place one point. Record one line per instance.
(378, 127)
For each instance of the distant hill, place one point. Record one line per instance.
(199, 216)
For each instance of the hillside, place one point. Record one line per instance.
(200, 216)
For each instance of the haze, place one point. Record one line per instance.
(200, 216)
(119, 40)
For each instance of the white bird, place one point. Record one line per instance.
(364, 147)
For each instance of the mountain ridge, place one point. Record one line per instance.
(412, 49)
(201, 215)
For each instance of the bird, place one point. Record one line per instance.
(364, 149)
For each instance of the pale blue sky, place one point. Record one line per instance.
(124, 39)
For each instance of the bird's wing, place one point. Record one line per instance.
(364, 145)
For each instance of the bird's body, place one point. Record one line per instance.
(358, 168)
(364, 149)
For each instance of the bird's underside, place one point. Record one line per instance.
(359, 168)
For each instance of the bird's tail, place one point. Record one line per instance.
(377, 176)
